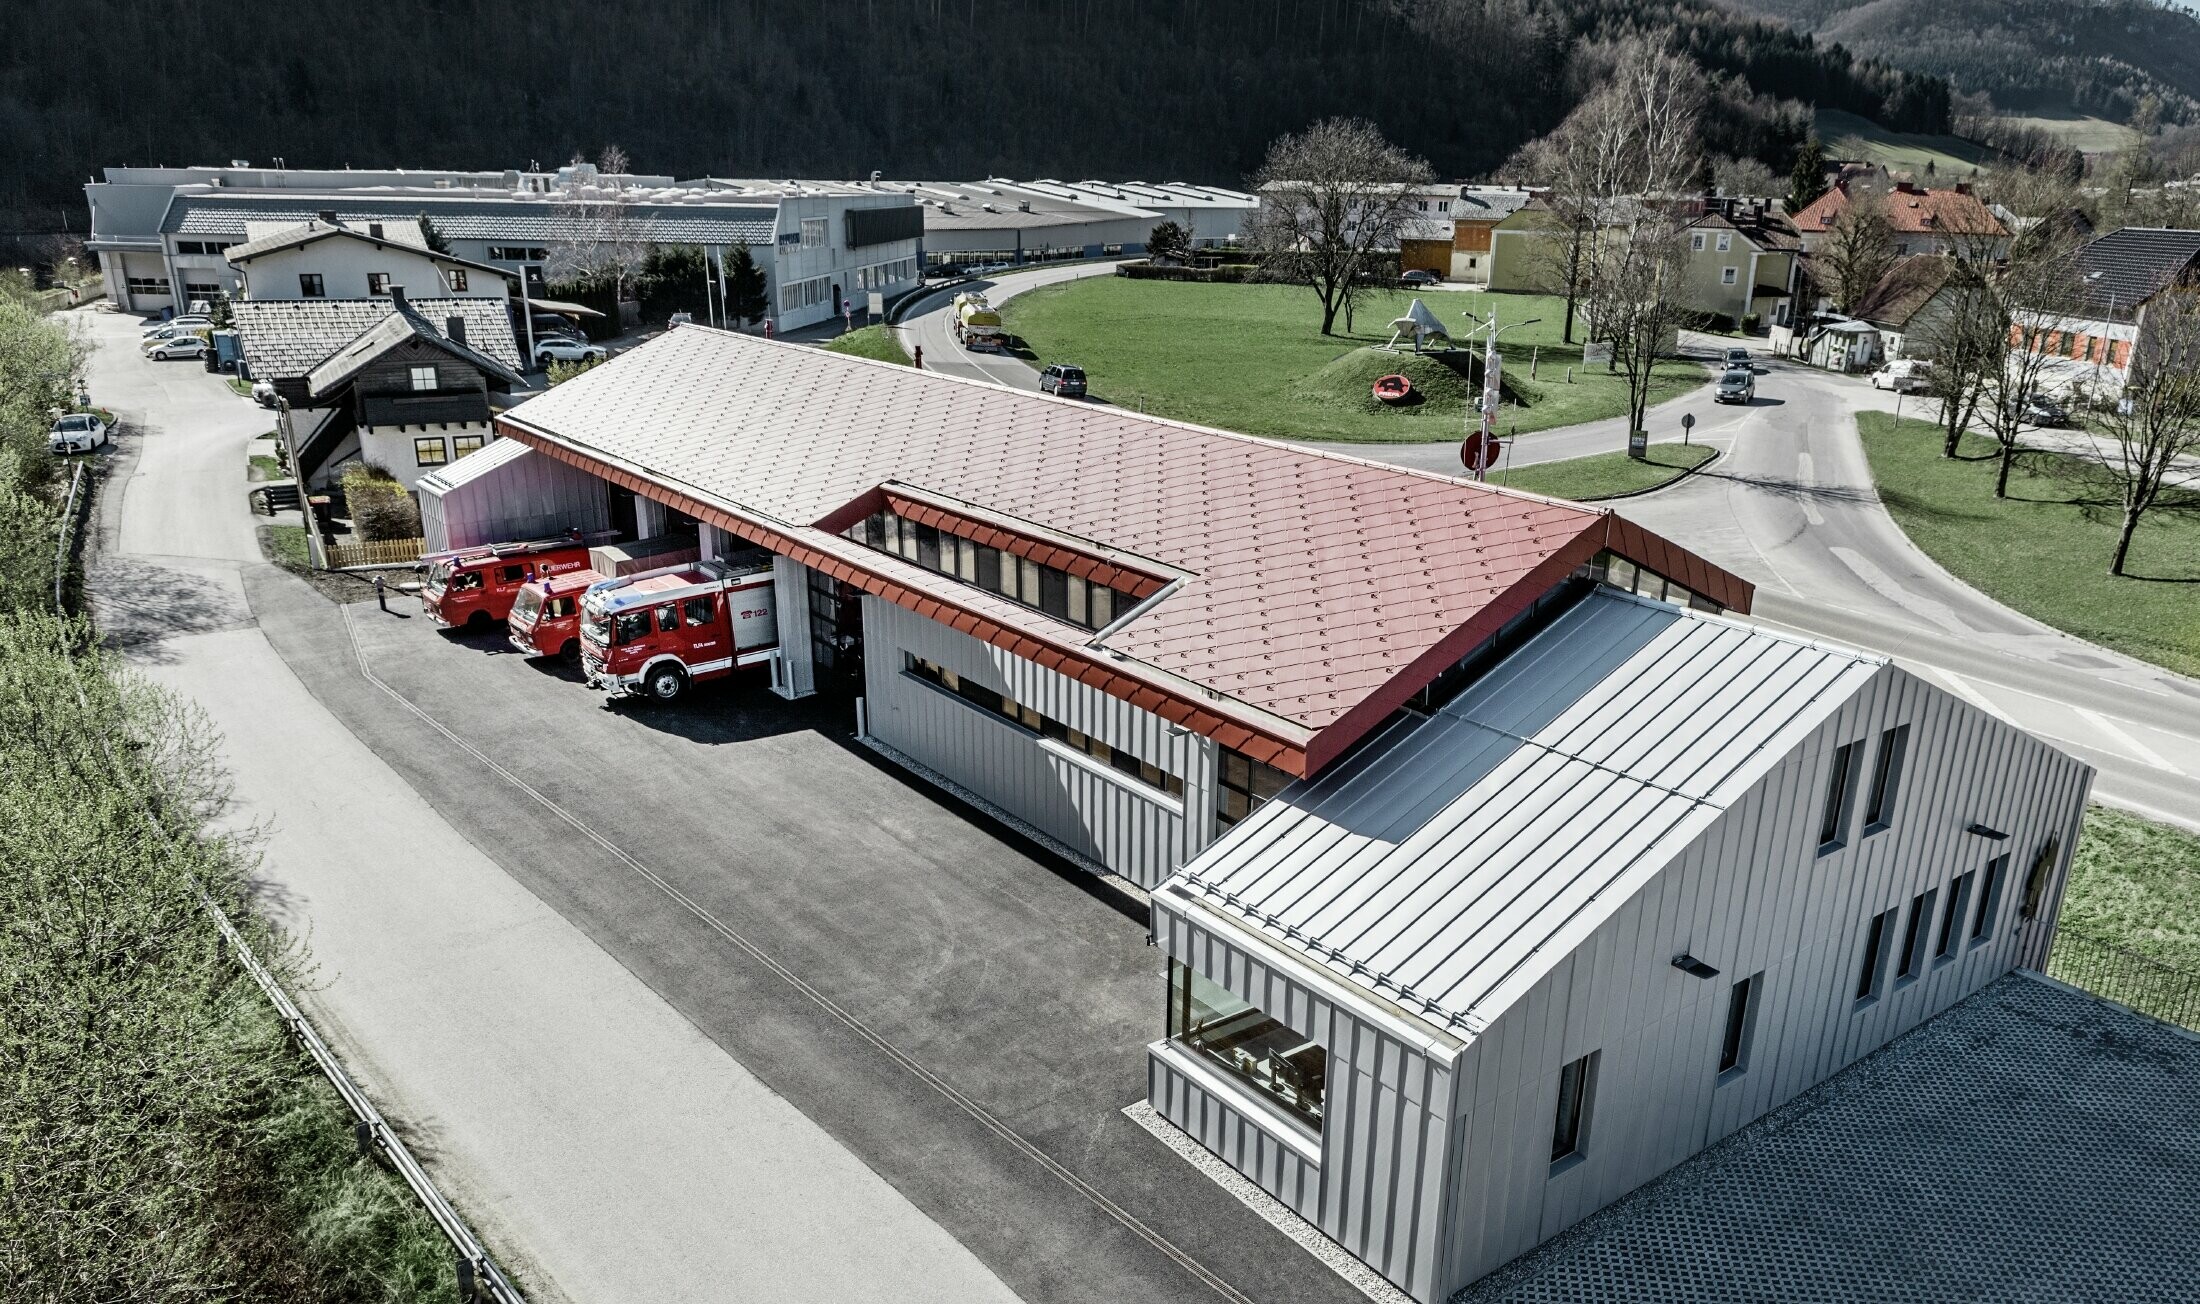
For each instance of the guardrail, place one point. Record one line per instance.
(2162, 991)
(479, 1277)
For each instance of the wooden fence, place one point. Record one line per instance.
(378, 552)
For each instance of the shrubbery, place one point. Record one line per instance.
(379, 506)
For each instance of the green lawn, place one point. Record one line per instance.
(2135, 884)
(870, 342)
(1848, 136)
(287, 547)
(2045, 549)
(263, 466)
(2078, 131)
(1607, 475)
(1253, 358)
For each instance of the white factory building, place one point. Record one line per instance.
(1004, 221)
(161, 234)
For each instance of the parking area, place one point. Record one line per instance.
(965, 1015)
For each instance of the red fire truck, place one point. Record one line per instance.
(655, 633)
(546, 614)
(474, 586)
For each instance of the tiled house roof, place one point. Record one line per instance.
(2123, 269)
(1910, 210)
(285, 339)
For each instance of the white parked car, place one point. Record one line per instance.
(175, 346)
(263, 393)
(78, 432)
(176, 325)
(1904, 376)
(567, 350)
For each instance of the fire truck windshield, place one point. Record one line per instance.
(527, 605)
(593, 625)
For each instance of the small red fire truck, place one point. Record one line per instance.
(655, 633)
(474, 586)
(546, 614)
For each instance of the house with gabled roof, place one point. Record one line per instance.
(1655, 873)
(2120, 276)
(324, 257)
(1925, 220)
(1907, 303)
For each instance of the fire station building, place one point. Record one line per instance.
(1121, 633)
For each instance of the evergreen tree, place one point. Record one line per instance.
(744, 287)
(435, 240)
(1169, 241)
(1807, 179)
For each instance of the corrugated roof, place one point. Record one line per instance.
(1448, 864)
(285, 339)
(482, 461)
(1315, 581)
(536, 220)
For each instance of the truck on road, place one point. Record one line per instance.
(654, 634)
(977, 326)
(546, 615)
(476, 586)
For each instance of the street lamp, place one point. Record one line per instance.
(1491, 369)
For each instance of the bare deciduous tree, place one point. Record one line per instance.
(1856, 253)
(1334, 199)
(2032, 296)
(2156, 425)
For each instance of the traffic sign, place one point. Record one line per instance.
(1479, 452)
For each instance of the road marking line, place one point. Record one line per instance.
(1961, 687)
(1806, 476)
(2116, 731)
(846, 1019)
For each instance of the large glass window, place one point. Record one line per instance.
(1246, 783)
(1289, 1068)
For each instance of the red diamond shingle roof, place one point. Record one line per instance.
(1319, 591)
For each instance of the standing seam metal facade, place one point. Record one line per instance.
(1435, 1164)
(1123, 824)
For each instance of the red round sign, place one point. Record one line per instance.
(1479, 452)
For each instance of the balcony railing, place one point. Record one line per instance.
(2145, 984)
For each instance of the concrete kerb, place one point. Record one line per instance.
(1716, 454)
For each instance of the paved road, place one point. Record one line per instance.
(930, 325)
(1791, 506)
(604, 1146)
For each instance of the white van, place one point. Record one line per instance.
(1904, 376)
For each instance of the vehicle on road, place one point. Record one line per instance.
(78, 432)
(176, 326)
(1064, 382)
(545, 620)
(1738, 385)
(946, 270)
(1739, 358)
(1904, 376)
(558, 348)
(1419, 278)
(176, 346)
(263, 393)
(656, 633)
(2040, 410)
(977, 326)
(476, 586)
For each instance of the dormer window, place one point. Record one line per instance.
(1087, 603)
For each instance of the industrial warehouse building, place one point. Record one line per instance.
(162, 234)
(1118, 631)
(1004, 221)
(1499, 869)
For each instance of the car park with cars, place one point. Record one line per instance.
(177, 326)
(564, 348)
(175, 346)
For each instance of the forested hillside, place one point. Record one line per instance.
(2100, 57)
(1164, 89)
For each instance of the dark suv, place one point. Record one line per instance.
(1068, 382)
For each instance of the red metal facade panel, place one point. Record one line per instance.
(1316, 589)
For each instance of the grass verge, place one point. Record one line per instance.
(286, 546)
(1253, 358)
(263, 466)
(2044, 550)
(2135, 884)
(1608, 475)
(876, 342)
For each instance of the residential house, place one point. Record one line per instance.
(2121, 276)
(1907, 303)
(1925, 221)
(405, 385)
(1742, 263)
(324, 258)
(1527, 251)
(1475, 216)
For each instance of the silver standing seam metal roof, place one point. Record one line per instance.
(532, 219)
(474, 465)
(1451, 861)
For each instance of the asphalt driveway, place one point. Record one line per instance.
(963, 1014)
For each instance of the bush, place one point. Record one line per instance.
(379, 506)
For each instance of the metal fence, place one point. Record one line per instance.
(2147, 985)
(377, 552)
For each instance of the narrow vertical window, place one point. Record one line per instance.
(1570, 1128)
(1951, 917)
(1101, 603)
(1886, 775)
(1871, 975)
(1840, 787)
(1913, 938)
(1989, 900)
(1741, 1027)
(2035, 880)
